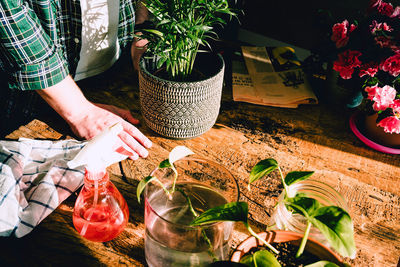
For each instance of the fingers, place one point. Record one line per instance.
(141, 43)
(132, 155)
(133, 144)
(131, 137)
(134, 132)
(137, 49)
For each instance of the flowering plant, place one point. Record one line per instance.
(368, 52)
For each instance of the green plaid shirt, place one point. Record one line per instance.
(40, 40)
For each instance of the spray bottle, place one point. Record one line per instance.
(100, 212)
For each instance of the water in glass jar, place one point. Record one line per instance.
(169, 241)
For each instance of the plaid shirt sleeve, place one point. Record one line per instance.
(31, 51)
(126, 22)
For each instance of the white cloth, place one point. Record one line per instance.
(35, 179)
(99, 48)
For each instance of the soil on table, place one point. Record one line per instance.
(287, 255)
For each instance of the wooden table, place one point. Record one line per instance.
(308, 138)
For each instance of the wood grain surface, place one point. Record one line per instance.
(308, 138)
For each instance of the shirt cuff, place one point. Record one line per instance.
(42, 75)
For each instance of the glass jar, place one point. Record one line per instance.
(282, 219)
(169, 239)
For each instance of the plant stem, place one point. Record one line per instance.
(175, 178)
(260, 238)
(188, 201)
(283, 181)
(203, 232)
(163, 187)
(304, 240)
(308, 227)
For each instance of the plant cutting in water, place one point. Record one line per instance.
(332, 221)
(177, 153)
(179, 202)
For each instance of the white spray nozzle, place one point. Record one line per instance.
(97, 153)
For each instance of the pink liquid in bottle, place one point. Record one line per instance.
(100, 212)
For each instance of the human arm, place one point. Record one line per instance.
(138, 47)
(31, 53)
(87, 119)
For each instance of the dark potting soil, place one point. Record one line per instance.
(287, 255)
(194, 76)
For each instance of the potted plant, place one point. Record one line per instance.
(179, 189)
(180, 88)
(251, 250)
(367, 59)
(332, 221)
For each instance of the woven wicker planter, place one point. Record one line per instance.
(182, 110)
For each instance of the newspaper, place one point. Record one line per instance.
(255, 80)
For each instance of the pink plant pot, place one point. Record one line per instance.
(364, 127)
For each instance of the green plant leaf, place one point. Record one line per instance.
(182, 26)
(261, 258)
(142, 184)
(262, 168)
(297, 176)
(158, 33)
(232, 211)
(337, 227)
(307, 204)
(164, 164)
(322, 264)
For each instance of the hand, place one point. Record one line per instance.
(87, 119)
(100, 116)
(137, 49)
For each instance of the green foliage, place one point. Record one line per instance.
(261, 258)
(296, 176)
(142, 185)
(322, 264)
(180, 27)
(337, 227)
(233, 211)
(179, 152)
(261, 169)
(333, 222)
(302, 204)
(164, 164)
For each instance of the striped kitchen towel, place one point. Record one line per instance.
(34, 180)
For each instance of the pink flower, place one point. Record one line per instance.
(348, 60)
(382, 97)
(392, 65)
(396, 106)
(375, 26)
(369, 69)
(396, 12)
(374, 4)
(390, 124)
(340, 33)
(385, 9)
